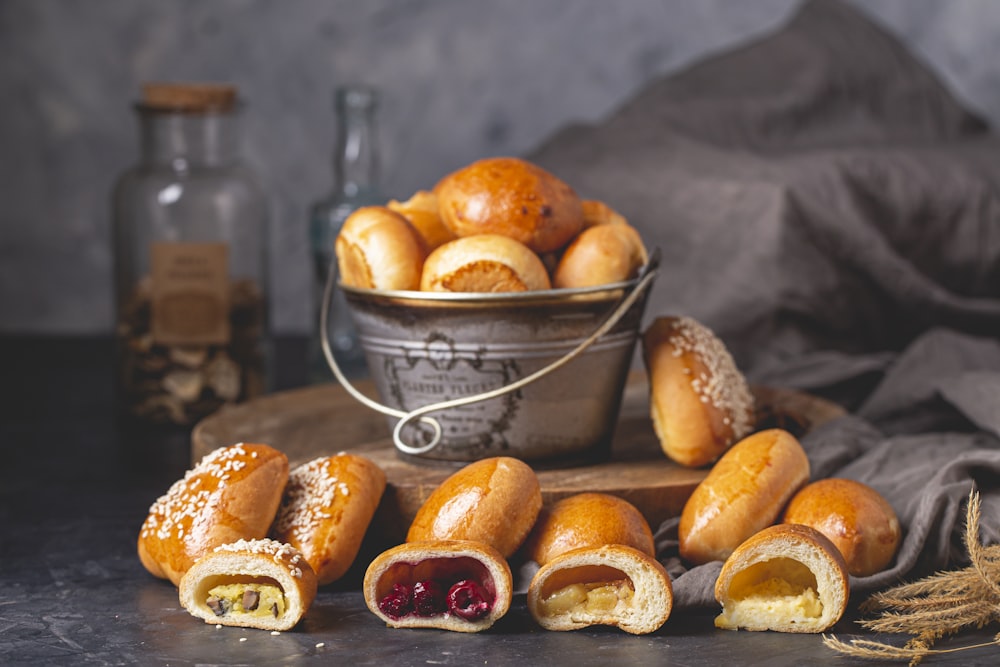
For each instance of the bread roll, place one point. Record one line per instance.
(787, 578)
(613, 585)
(601, 255)
(494, 501)
(743, 493)
(512, 197)
(588, 520)
(596, 212)
(231, 494)
(483, 263)
(700, 402)
(260, 584)
(327, 506)
(423, 213)
(855, 517)
(379, 249)
(448, 584)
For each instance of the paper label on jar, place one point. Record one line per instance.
(190, 293)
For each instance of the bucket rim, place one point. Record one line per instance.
(607, 290)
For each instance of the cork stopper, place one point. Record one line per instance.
(189, 97)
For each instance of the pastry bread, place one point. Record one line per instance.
(588, 520)
(787, 578)
(378, 248)
(494, 501)
(600, 255)
(512, 197)
(231, 494)
(854, 516)
(325, 511)
(613, 585)
(483, 263)
(743, 493)
(423, 213)
(596, 212)
(700, 402)
(260, 584)
(448, 584)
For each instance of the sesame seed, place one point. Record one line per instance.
(243, 639)
(722, 384)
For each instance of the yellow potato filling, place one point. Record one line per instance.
(780, 589)
(247, 599)
(592, 597)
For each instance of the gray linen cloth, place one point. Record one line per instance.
(826, 206)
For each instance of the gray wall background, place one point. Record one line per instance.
(459, 79)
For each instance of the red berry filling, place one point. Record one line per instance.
(398, 603)
(469, 600)
(428, 598)
(466, 599)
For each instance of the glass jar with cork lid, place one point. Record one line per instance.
(190, 260)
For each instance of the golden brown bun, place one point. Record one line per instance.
(596, 212)
(446, 562)
(379, 249)
(787, 578)
(600, 255)
(494, 501)
(232, 494)
(512, 197)
(558, 594)
(743, 493)
(588, 520)
(327, 506)
(700, 402)
(248, 565)
(483, 263)
(854, 516)
(423, 213)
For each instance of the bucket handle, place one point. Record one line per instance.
(643, 281)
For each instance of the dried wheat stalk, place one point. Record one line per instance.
(936, 606)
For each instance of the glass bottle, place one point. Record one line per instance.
(355, 170)
(190, 265)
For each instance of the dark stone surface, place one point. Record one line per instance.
(72, 590)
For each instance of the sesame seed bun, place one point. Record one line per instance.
(232, 494)
(700, 402)
(325, 511)
(243, 564)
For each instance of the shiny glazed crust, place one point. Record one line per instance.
(797, 543)
(415, 561)
(600, 255)
(494, 501)
(265, 559)
(650, 606)
(424, 214)
(855, 517)
(325, 511)
(588, 520)
(743, 493)
(512, 197)
(232, 494)
(700, 402)
(378, 248)
(483, 263)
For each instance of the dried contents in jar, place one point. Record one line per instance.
(180, 383)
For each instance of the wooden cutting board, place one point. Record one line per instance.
(324, 419)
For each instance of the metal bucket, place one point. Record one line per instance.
(534, 375)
